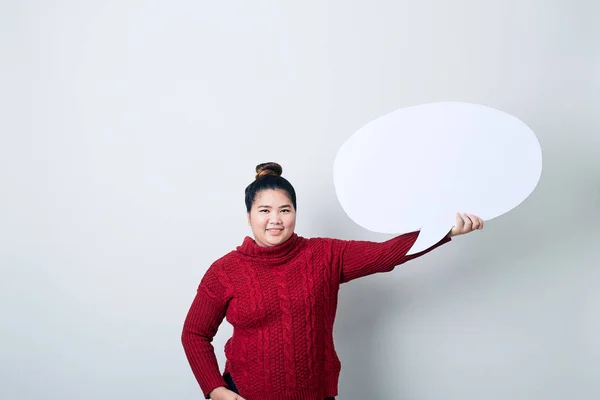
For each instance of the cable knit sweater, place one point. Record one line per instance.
(281, 302)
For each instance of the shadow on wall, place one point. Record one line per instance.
(366, 305)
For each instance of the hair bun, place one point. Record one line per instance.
(269, 168)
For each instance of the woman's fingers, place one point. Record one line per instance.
(468, 223)
(222, 393)
(459, 222)
(476, 221)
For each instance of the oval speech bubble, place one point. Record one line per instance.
(415, 168)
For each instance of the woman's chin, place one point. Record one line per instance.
(276, 238)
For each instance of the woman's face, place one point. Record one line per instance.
(272, 218)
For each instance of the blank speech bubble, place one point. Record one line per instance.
(415, 168)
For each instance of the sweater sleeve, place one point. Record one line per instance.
(362, 258)
(206, 313)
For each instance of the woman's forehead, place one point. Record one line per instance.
(271, 197)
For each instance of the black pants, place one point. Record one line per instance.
(231, 386)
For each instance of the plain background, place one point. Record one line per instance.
(129, 130)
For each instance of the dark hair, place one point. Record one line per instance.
(268, 176)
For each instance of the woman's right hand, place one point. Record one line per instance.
(222, 393)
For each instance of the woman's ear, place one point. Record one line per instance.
(248, 215)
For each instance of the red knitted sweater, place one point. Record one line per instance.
(281, 302)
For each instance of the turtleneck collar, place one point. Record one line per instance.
(273, 254)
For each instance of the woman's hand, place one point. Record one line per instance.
(466, 223)
(222, 393)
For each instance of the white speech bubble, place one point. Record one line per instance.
(415, 168)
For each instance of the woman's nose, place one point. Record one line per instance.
(275, 217)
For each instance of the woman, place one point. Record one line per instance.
(279, 291)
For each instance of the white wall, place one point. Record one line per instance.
(130, 129)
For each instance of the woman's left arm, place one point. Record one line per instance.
(362, 258)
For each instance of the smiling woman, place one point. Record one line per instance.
(271, 206)
(279, 292)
